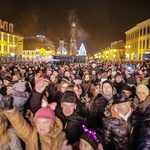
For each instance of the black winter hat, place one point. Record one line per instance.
(108, 82)
(8, 78)
(91, 137)
(69, 97)
(127, 88)
(118, 75)
(131, 80)
(120, 98)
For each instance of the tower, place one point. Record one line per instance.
(73, 42)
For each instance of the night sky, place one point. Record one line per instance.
(100, 21)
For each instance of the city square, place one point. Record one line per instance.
(74, 75)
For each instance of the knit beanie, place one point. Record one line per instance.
(127, 88)
(131, 80)
(69, 97)
(8, 78)
(108, 82)
(46, 113)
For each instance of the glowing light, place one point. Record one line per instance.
(12, 54)
(82, 50)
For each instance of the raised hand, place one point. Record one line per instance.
(40, 85)
(7, 102)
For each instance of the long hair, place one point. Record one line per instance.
(4, 134)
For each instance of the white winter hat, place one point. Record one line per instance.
(20, 86)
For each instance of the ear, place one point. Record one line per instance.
(53, 105)
(75, 106)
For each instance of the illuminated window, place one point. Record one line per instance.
(147, 30)
(10, 27)
(141, 32)
(140, 44)
(143, 44)
(147, 46)
(10, 38)
(5, 37)
(144, 31)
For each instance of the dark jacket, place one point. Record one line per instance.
(144, 138)
(116, 132)
(72, 125)
(141, 113)
(96, 110)
(118, 86)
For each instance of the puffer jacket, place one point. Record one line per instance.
(116, 132)
(14, 143)
(28, 133)
(96, 110)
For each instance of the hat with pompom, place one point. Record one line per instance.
(46, 112)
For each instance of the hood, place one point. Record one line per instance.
(114, 113)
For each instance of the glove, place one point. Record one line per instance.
(7, 102)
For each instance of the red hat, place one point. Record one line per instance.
(46, 112)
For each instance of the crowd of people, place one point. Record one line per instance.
(75, 106)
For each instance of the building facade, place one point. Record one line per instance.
(38, 47)
(10, 43)
(115, 52)
(138, 41)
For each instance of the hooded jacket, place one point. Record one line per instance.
(28, 133)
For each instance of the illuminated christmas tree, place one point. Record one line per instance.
(82, 50)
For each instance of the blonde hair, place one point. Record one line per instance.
(4, 134)
(142, 88)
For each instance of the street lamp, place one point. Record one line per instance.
(12, 54)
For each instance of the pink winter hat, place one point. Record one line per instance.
(45, 112)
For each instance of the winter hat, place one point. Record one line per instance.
(8, 78)
(12, 83)
(108, 82)
(69, 97)
(131, 80)
(118, 75)
(127, 88)
(120, 98)
(90, 136)
(20, 86)
(47, 111)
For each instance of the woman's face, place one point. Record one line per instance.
(78, 91)
(142, 95)
(97, 89)
(63, 87)
(84, 145)
(87, 78)
(67, 74)
(52, 78)
(107, 89)
(43, 126)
